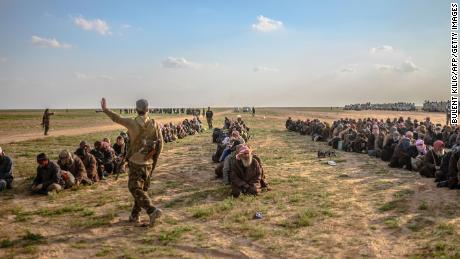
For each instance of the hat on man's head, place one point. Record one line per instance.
(142, 105)
(42, 157)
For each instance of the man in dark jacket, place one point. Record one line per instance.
(48, 176)
(432, 160)
(6, 171)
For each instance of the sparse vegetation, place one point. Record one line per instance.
(313, 209)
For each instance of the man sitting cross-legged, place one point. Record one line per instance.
(246, 173)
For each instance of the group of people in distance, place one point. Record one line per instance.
(238, 165)
(400, 106)
(431, 149)
(172, 132)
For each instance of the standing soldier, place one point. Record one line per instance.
(209, 115)
(253, 111)
(46, 120)
(145, 146)
(204, 112)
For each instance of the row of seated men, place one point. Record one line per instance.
(188, 111)
(238, 166)
(425, 147)
(84, 166)
(233, 131)
(172, 132)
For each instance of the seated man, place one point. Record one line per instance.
(402, 153)
(6, 171)
(108, 157)
(48, 177)
(97, 153)
(432, 160)
(90, 163)
(372, 140)
(389, 144)
(120, 153)
(73, 164)
(246, 174)
(417, 161)
(229, 142)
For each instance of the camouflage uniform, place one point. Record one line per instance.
(141, 131)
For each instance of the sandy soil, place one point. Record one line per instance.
(359, 208)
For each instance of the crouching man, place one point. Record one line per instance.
(73, 164)
(246, 175)
(48, 176)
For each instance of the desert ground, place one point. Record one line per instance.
(359, 208)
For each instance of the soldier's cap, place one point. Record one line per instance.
(142, 105)
(83, 144)
(42, 157)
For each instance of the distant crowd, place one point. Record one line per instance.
(187, 111)
(436, 106)
(431, 149)
(399, 106)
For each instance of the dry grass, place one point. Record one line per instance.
(359, 208)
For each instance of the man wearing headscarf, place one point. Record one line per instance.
(417, 159)
(246, 173)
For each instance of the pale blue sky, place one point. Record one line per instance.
(68, 54)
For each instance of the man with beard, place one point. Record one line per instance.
(144, 148)
(73, 164)
(246, 174)
(6, 171)
(432, 160)
(48, 176)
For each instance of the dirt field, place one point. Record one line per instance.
(359, 208)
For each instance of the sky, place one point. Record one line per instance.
(70, 54)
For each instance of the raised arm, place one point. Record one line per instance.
(114, 116)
